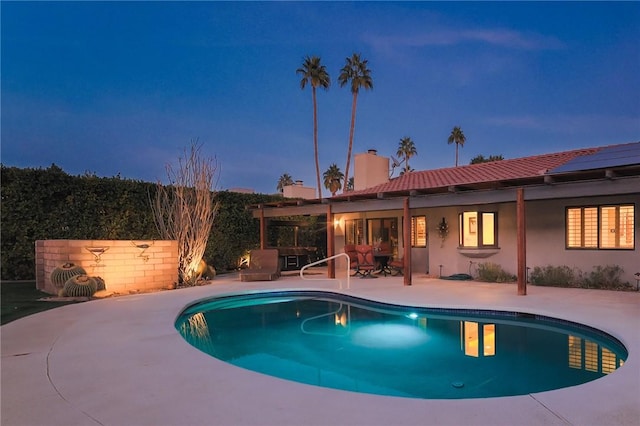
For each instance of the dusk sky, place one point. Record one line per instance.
(123, 87)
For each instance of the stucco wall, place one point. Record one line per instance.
(545, 229)
(546, 237)
(446, 258)
(124, 265)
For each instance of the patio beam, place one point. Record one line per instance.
(331, 270)
(521, 242)
(406, 242)
(262, 228)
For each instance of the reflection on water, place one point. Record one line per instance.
(389, 350)
(474, 336)
(588, 355)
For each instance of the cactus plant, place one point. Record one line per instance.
(100, 284)
(61, 274)
(80, 286)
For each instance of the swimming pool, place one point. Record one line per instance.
(343, 342)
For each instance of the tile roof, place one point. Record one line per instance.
(524, 168)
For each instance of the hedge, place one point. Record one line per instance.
(41, 204)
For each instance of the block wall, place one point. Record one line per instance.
(124, 265)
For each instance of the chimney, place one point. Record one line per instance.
(370, 169)
(298, 191)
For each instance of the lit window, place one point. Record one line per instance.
(608, 361)
(604, 227)
(575, 352)
(471, 338)
(489, 334)
(478, 229)
(354, 231)
(475, 337)
(418, 231)
(590, 356)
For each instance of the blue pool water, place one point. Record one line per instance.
(337, 341)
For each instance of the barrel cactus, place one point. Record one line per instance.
(100, 284)
(62, 273)
(80, 286)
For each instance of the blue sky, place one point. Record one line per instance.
(123, 87)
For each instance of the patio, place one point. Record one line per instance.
(120, 361)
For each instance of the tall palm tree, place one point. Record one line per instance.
(315, 74)
(350, 183)
(406, 150)
(333, 178)
(284, 180)
(355, 71)
(458, 138)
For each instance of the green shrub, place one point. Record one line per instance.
(606, 278)
(493, 273)
(602, 277)
(49, 204)
(557, 276)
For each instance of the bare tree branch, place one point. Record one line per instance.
(184, 210)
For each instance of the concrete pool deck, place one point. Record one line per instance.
(120, 361)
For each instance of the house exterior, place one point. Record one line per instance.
(577, 208)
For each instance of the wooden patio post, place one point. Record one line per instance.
(406, 242)
(262, 227)
(521, 242)
(331, 264)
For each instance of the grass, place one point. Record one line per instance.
(20, 299)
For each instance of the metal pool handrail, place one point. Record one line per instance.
(321, 333)
(318, 262)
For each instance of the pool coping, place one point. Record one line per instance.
(121, 361)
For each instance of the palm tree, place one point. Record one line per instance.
(406, 150)
(333, 178)
(315, 74)
(355, 71)
(284, 180)
(458, 138)
(350, 183)
(482, 159)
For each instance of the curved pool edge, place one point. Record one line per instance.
(570, 316)
(193, 327)
(144, 376)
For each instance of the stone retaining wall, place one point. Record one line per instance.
(124, 265)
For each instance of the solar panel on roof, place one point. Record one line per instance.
(611, 156)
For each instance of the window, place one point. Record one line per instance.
(478, 229)
(383, 231)
(587, 355)
(354, 231)
(419, 231)
(601, 227)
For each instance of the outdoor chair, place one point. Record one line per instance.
(366, 261)
(350, 249)
(264, 265)
(397, 266)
